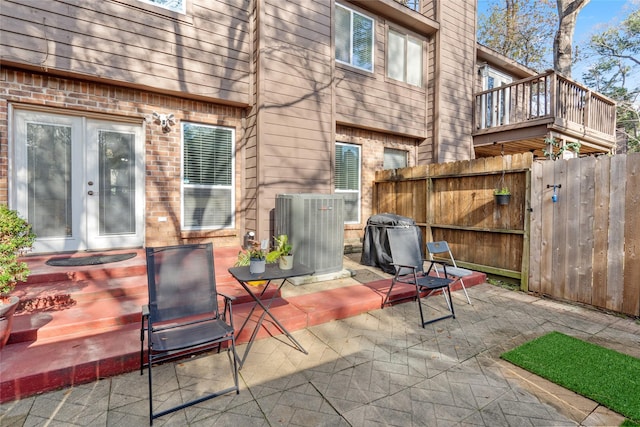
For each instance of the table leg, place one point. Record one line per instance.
(265, 311)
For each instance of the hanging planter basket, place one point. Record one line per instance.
(502, 199)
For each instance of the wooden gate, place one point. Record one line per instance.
(585, 247)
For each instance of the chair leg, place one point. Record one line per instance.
(142, 347)
(234, 355)
(386, 298)
(447, 297)
(420, 305)
(150, 394)
(464, 289)
(453, 314)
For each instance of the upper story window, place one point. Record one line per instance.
(404, 58)
(179, 6)
(354, 38)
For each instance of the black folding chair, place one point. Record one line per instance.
(183, 317)
(409, 264)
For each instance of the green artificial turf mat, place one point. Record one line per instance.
(605, 376)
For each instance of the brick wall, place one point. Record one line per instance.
(162, 153)
(372, 153)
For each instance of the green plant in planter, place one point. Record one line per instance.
(16, 239)
(502, 191)
(255, 252)
(283, 247)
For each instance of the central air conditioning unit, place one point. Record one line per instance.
(315, 226)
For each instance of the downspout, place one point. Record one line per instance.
(437, 85)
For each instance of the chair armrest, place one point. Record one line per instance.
(227, 297)
(228, 307)
(145, 317)
(442, 263)
(413, 267)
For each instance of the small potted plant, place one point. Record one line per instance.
(254, 256)
(16, 238)
(284, 250)
(502, 195)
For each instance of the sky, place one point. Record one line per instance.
(592, 18)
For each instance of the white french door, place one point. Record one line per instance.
(78, 181)
(497, 104)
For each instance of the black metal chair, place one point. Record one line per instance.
(409, 265)
(183, 316)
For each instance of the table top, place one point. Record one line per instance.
(271, 272)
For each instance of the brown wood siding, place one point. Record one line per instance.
(426, 149)
(203, 54)
(457, 59)
(249, 187)
(372, 152)
(295, 118)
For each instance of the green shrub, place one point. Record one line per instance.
(16, 238)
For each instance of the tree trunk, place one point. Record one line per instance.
(563, 42)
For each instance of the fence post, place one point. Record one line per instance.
(524, 270)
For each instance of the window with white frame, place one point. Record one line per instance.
(207, 177)
(179, 6)
(354, 38)
(404, 57)
(394, 159)
(347, 180)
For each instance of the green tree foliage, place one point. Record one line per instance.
(520, 29)
(614, 53)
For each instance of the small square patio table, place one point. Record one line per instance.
(272, 274)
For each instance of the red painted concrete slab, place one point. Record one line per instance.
(34, 367)
(291, 316)
(111, 344)
(336, 303)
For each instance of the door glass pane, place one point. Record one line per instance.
(49, 179)
(117, 203)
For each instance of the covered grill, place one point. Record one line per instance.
(375, 247)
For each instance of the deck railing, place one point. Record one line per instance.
(549, 96)
(411, 4)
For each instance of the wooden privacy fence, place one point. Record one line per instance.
(584, 247)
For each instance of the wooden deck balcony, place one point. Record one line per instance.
(517, 117)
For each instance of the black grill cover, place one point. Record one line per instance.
(375, 247)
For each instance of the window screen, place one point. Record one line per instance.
(347, 179)
(354, 38)
(207, 177)
(394, 159)
(404, 58)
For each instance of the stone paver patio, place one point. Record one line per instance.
(375, 369)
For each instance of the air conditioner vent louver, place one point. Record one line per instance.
(315, 226)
